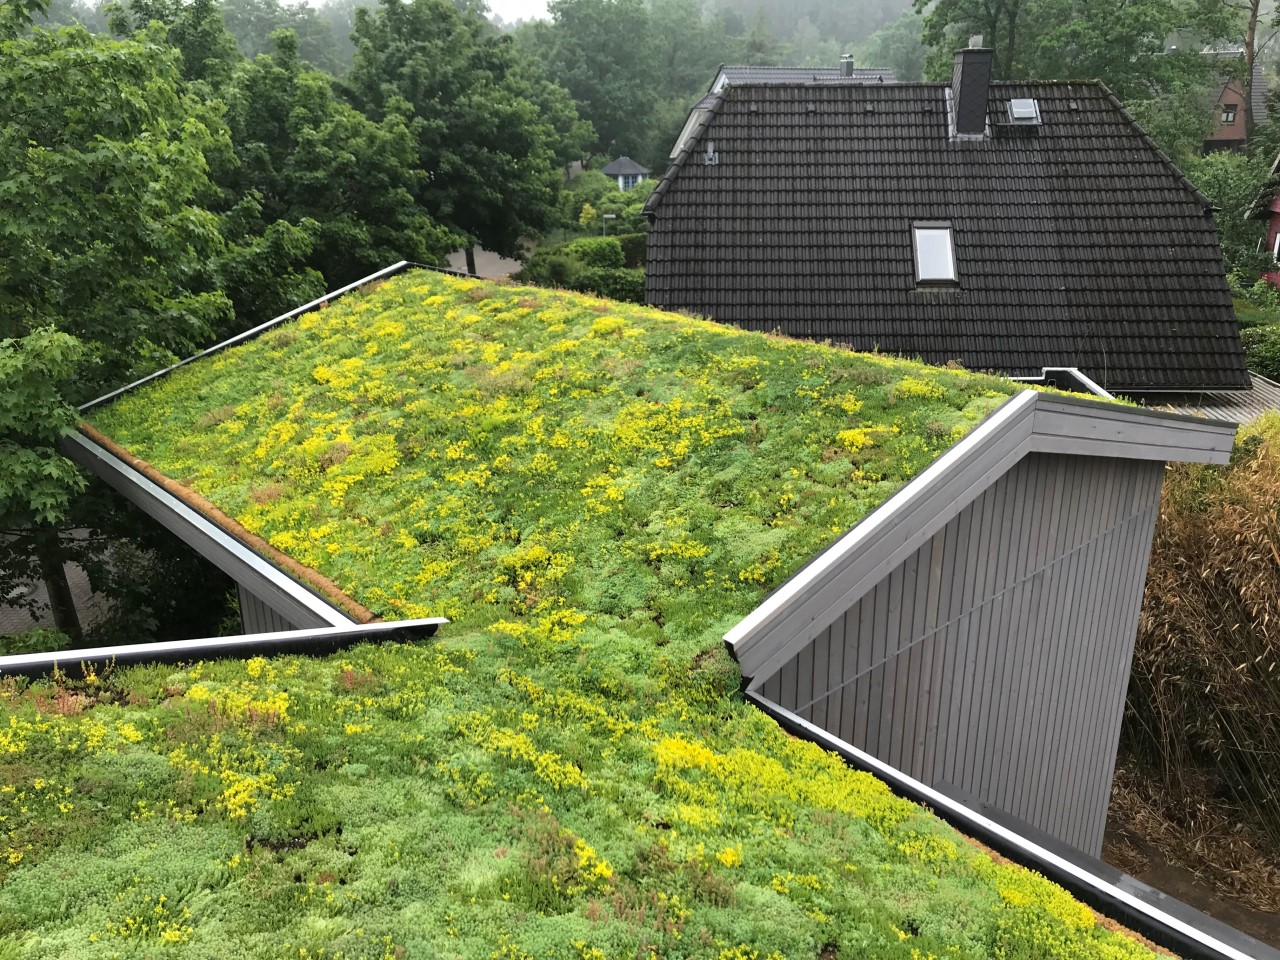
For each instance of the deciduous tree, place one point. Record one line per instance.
(489, 151)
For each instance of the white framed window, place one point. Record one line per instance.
(1229, 113)
(1275, 248)
(935, 254)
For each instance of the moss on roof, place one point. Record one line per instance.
(593, 493)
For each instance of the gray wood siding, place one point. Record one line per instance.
(257, 617)
(995, 658)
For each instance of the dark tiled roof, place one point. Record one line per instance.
(1078, 243)
(739, 75)
(622, 167)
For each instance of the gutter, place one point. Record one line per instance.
(314, 641)
(1145, 910)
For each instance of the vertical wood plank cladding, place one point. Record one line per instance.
(257, 617)
(996, 657)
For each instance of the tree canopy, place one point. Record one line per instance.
(484, 129)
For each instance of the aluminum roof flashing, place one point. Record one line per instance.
(1030, 422)
(322, 640)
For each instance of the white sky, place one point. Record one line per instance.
(513, 10)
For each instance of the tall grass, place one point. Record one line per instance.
(1205, 691)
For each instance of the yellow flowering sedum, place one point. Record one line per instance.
(594, 493)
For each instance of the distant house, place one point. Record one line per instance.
(626, 172)
(1009, 227)
(1229, 131)
(728, 76)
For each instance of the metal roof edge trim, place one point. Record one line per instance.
(250, 644)
(1019, 407)
(1076, 876)
(250, 333)
(1028, 422)
(238, 560)
(1085, 380)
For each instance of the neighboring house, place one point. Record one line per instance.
(626, 172)
(968, 640)
(728, 76)
(1008, 227)
(1266, 207)
(1229, 132)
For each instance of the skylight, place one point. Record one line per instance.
(935, 257)
(1024, 110)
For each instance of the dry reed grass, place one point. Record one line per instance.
(1204, 699)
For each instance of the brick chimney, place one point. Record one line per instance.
(970, 81)
(846, 65)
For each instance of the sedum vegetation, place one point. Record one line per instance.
(593, 493)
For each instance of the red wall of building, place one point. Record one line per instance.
(1234, 131)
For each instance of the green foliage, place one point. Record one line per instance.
(264, 267)
(1262, 349)
(616, 283)
(1230, 182)
(635, 247)
(37, 482)
(596, 251)
(101, 162)
(253, 22)
(483, 125)
(40, 640)
(897, 47)
(349, 184)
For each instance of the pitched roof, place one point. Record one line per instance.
(623, 167)
(1257, 91)
(1078, 242)
(744, 74)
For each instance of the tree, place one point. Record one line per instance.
(1123, 45)
(253, 22)
(490, 155)
(306, 158)
(897, 47)
(101, 158)
(38, 483)
(604, 52)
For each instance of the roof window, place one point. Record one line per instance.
(935, 255)
(1024, 110)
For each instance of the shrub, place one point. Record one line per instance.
(634, 249)
(553, 268)
(39, 640)
(616, 284)
(1262, 349)
(596, 251)
(1205, 687)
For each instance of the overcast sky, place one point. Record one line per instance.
(513, 10)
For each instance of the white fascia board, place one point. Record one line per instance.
(277, 589)
(1019, 406)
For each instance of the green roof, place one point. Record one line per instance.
(593, 493)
